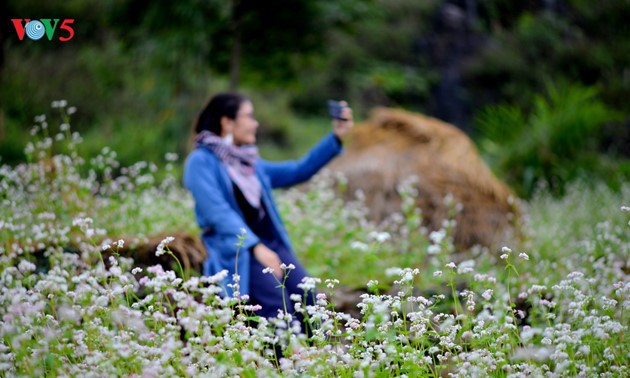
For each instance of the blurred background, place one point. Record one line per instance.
(541, 86)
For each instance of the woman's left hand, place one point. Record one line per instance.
(341, 127)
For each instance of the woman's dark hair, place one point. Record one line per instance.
(221, 105)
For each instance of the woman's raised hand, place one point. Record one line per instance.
(341, 127)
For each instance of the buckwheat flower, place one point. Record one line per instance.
(437, 273)
(83, 223)
(359, 246)
(26, 266)
(546, 341)
(321, 299)
(437, 236)
(487, 295)
(451, 265)
(285, 267)
(395, 271)
(433, 249)
(504, 256)
(160, 248)
(267, 270)
(309, 283)
(506, 250)
(608, 303)
(380, 237)
(76, 137)
(115, 271)
(524, 256)
(171, 156)
(523, 295)
(466, 267)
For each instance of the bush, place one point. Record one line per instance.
(552, 144)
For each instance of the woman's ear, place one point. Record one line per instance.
(227, 126)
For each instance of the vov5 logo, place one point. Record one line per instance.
(35, 29)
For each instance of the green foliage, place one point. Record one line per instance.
(555, 143)
(372, 61)
(533, 42)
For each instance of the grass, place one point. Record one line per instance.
(553, 304)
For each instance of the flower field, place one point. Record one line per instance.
(554, 302)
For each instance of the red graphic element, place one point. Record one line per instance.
(19, 27)
(65, 25)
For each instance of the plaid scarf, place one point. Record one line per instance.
(239, 162)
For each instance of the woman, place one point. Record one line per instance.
(232, 189)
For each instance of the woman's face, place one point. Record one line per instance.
(244, 125)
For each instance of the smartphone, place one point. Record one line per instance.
(335, 109)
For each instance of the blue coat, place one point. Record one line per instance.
(219, 215)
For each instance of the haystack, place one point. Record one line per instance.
(393, 145)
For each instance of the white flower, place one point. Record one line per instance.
(393, 271)
(433, 249)
(625, 208)
(359, 246)
(487, 294)
(506, 250)
(546, 341)
(523, 256)
(380, 237)
(437, 236)
(160, 248)
(372, 284)
(26, 266)
(309, 283)
(451, 265)
(437, 273)
(504, 256)
(83, 223)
